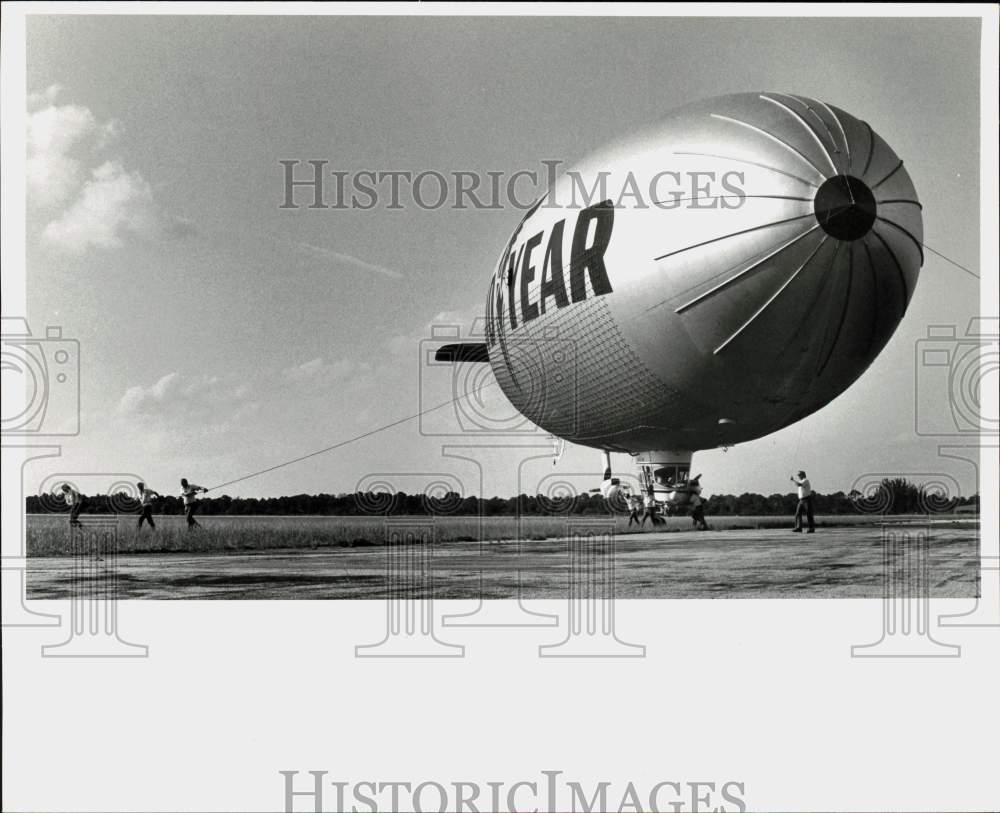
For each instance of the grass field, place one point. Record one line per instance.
(48, 535)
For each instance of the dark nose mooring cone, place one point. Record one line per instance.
(845, 207)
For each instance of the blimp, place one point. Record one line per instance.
(706, 282)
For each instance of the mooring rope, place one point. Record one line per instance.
(349, 441)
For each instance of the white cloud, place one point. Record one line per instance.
(59, 141)
(47, 96)
(87, 198)
(318, 372)
(111, 204)
(193, 398)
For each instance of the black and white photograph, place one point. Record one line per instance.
(374, 374)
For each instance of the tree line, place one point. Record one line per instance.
(890, 496)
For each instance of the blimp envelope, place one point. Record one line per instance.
(753, 255)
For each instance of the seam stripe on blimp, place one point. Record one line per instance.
(895, 169)
(748, 269)
(725, 197)
(812, 133)
(774, 138)
(733, 234)
(774, 296)
(916, 203)
(843, 308)
(899, 269)
(751, 163)
(843, 132)
(805, 103)
(916, 242)
(871, 149)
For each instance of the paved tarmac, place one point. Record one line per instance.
(846, 562)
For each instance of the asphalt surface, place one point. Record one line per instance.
(847, 562)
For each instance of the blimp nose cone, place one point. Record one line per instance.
(845, 207)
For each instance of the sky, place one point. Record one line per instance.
(221, 334)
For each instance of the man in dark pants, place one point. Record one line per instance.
(146, 497)
(805, 504)
(190, 492)
(698, 513)
(634, 504)
(649, 503)
(74, 499)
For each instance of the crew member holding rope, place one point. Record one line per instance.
(146, 497)
(190, 491)
(75, 500)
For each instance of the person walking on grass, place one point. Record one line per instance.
(146, 497)
(74, 499)
(190, 493)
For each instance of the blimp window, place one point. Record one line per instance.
(670, 475)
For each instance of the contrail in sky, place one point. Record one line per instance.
(344, 259)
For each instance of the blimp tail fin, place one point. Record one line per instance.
(463, 351)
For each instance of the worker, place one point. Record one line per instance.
(75, 500)
(805, 504)
(634, 504)
(146, 497)
(190, 492)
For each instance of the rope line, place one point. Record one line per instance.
(349, 441)
(947, 259)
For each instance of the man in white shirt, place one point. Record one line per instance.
(74, 499)
(146, 497)
(190, 492)
(651, 512)
(805, 505)
(634, 505)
